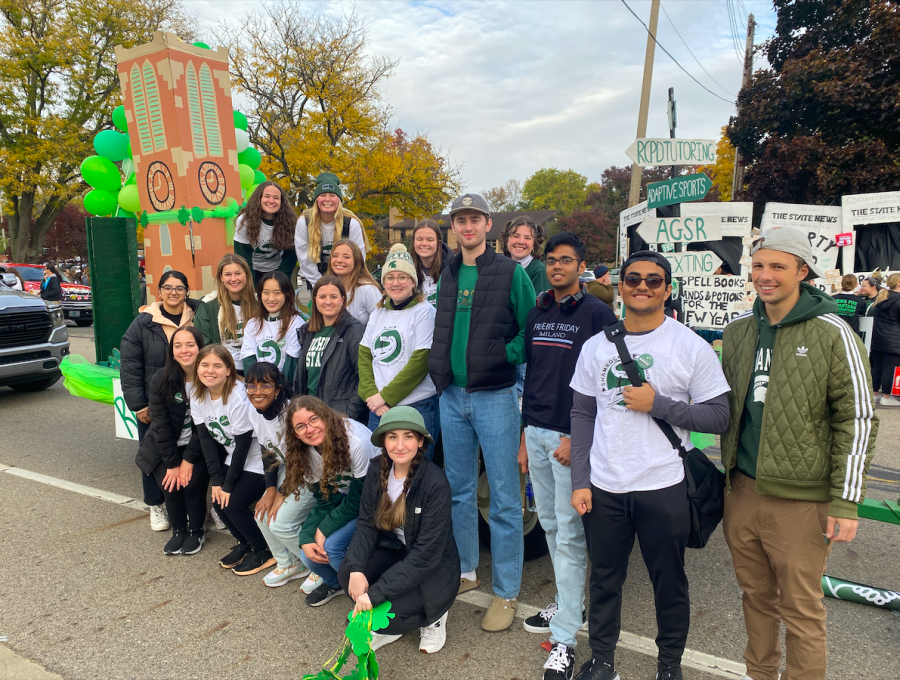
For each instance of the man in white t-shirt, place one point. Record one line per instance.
(627, 480)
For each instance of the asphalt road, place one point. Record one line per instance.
(87, 592)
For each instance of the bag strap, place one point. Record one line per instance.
(615, 333)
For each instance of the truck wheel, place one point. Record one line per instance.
(535, 539)
(81, 323)
(36, 385)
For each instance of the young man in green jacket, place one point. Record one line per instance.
(796, 457)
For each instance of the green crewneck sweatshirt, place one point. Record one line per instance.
(812, 303)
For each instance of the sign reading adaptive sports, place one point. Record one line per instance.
(710, 302)
(679, 230)
(678, 190)
(664, 151)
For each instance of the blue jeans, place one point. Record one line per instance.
(552, 483)
(490, 418)
(520, 378)
(282, 534)
(430, 410)
(335, 548)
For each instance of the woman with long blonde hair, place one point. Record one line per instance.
(326, 222)
(223, 313)
(363, 292)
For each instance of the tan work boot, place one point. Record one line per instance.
(465, 585)
(499, 615)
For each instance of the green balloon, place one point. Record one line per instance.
(99, 202)
(100, 173)
(250, 157)
(250, 191)
(129, 198)
(201, 44)
(119, 118)
(112, 145)
(258, 177)
(125, 214)
(240, 120)
(132, 179)
(246, 176)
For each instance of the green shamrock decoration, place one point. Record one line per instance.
(197, 214)
(115, 361)
(357, 640)
(184, 215)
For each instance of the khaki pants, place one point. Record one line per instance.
(779, 555)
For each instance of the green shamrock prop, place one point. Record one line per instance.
(357, 640)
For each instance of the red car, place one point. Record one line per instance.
(76, 299)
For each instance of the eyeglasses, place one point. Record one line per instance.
(653, 282)
(173, 289)
(265, 388)
(398, 278)
(301, 428)
(565, 261)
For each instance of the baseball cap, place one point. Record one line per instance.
(601, 270)
(470, 202)
(649, 256)
(788, 240)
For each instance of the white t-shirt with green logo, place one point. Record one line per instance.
(308, 269)
(233, 345)
(365, 301)
(263, 343)
(266, 257)
(269, 433)
(225, 421)
(630, 451)
(392, 336)
(184, 437)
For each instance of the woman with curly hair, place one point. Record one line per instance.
(407, 558)
(521, 240)
(264, 231)
(330, 453)
(325, 223)
(363, 292)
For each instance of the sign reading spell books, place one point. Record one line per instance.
(710, 302)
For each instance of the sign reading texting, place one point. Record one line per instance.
(693, 262)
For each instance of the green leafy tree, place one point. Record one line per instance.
(722, 171)
(822, 120)
(550, 189)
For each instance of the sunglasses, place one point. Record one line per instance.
(653, 282)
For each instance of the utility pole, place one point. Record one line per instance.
(634, 194)
(673, 119)
(738, 178)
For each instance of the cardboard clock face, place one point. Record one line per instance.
(160, 186)
(212, 182)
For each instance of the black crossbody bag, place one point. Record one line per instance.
(705, 482)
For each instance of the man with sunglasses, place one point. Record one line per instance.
(627, 479)
(564, 318)
(796, 452)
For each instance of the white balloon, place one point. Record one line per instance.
(127, 167)
(243, 139)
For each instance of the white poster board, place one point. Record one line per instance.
(866, 324)
(711, 302)
(821, 223)
(633, 215)
(736, 219)
(860, 209)
(126, 421)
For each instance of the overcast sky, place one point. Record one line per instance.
(506, 88)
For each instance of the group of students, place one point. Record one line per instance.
(319, 453)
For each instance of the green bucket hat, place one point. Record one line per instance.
(329, 183)
(401, 418)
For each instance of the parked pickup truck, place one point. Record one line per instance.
(76, 298)
(33, 341)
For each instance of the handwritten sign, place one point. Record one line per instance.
(821, 224)
(693, 262)
(711, 302)
(665, 151)
(633, 215)
(126, 421)
(735, 219)
(679, 230)
(678, 190)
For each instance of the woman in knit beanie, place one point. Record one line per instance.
(393, 354)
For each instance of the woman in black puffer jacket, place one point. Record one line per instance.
(886, 340)
(144, 348)
(51, 290)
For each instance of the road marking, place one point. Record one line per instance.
(636, 643)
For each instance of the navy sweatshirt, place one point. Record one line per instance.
(553, 341)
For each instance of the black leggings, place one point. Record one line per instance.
(883, 365)
(408, 607)
(153, 494)
(186, 506)
(238, 516)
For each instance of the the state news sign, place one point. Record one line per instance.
(633, 215)
(735, 219)
(860, 209)
(821, 224)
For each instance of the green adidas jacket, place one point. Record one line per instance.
(819, 425)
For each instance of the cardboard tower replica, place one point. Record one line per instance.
(177, 100)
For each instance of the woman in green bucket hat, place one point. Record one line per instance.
(403, 550)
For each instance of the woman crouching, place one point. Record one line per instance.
(403, 550)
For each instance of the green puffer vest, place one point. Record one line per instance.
(819, 426)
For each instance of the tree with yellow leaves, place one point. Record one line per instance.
(316, 106)
(722, 172)
(58, 87)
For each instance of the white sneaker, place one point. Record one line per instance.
(311, 583)
(278, 576)
(159, 518)
(218, 524)
(877, 399)
(890, 401)
(379, 640)
(433, 637)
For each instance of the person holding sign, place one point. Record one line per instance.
(627, 479)
(796, 452)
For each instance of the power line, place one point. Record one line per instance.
(692, 54)
(735, 30)
(646, 28)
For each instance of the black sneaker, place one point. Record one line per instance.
(234, 558)
(668, 672)
(322, 595)
(597, 670)
(193, 542)
(173, 547)
(255, 562)
(560, 665)
(540, 622)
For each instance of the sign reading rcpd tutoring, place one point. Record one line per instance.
(694, 262)
(680, 229)
(678, 190)
(651, 152)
